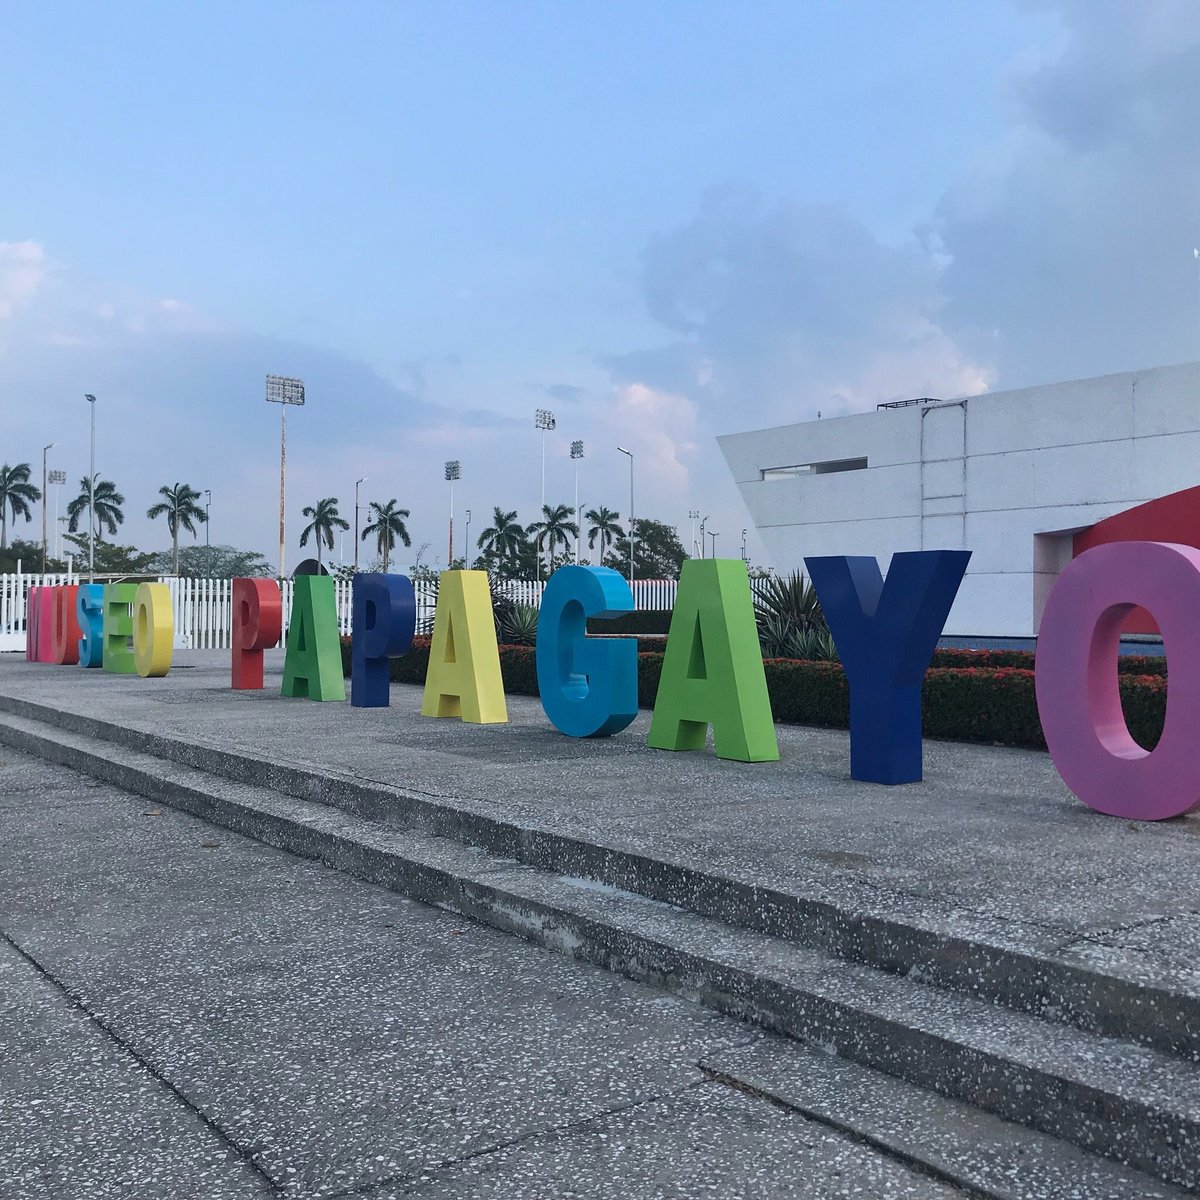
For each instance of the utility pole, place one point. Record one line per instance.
(283, 390)
(207, 536)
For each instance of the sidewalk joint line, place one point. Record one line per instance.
(145, 1065)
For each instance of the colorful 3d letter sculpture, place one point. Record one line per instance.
(33, 618)
(312, 666)
(118, 627)
(257, 622)
(65, 632)
(712, 671)
(588, 685)
(1077, 684)
(89, 612)
(463, 679)
(885, 635)
(45, 633)
(385, 619)
(153, 630)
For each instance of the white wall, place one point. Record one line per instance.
(1008, 476)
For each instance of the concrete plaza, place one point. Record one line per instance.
(985, 940)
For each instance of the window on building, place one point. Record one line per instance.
(818, 468)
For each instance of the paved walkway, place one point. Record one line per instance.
(188, 1014)
(992, 841)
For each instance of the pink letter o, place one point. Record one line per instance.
(1077, 694)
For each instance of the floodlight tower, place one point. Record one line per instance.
(453, 472)
(283, 391)
(576, 455)
(92, 495)
(543, 419)
(45, 485)
(56, 478)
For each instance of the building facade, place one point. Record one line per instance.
(1023, 479)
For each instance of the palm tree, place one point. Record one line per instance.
(504, 537)
(180, 508)
(555, 526)
(387, 527)
(603, 525)
(108, 506)
(325, 520)
(16, 493)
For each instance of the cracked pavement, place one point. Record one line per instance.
(189, 1013)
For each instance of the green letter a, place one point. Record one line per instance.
(713, 668)
(312, 666)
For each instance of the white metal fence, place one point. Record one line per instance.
(202, 606)
(14, 593)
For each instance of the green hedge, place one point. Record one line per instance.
(981, 703)
(1127, 664)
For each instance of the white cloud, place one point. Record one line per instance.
(23, 267)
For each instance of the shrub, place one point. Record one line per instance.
(789, 618)
(518, 625)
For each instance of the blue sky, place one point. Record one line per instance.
(663, 221)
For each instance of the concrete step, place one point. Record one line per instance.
(1126, 998)
(975, 1150)
(1124, 1101)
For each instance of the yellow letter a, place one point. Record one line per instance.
(463, 679)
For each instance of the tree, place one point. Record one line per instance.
(504, 537)
(117, 560)
(603, 526)
(214, 562)
(179, 506)
(16, 495)
(657, 553)
(108, 507)
(27, 553)
(555, 528)
(324, 520)
(387, 527)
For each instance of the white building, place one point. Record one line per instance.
(1011, 476)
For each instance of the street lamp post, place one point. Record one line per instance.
(467, 557)
(543, 419)
(45, 487)
(703, 522)
(629, 453)
(744, 559)
(714, 537)
(207, 535)
(283, 391)
(576, 455)
(92, 495)
(693, 516)
(357, 483)
(453, 472)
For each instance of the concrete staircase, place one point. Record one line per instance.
(1010, 1073)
